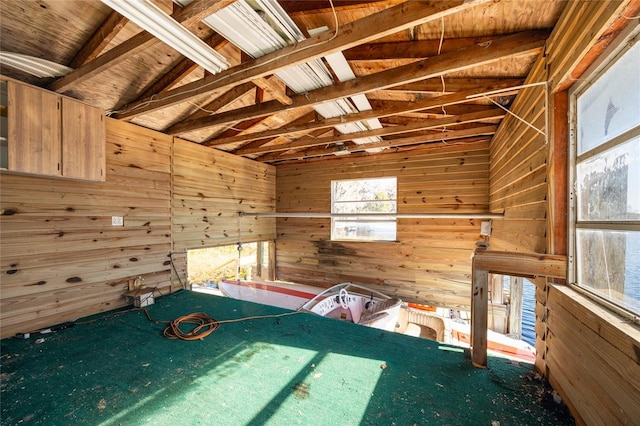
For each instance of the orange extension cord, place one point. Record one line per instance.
(205, 325)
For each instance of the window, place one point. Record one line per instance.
(606, 180)
(364, 209)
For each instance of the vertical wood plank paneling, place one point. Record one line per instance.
(431, 260)
(35, 130)
(62, 258)
(83, 144)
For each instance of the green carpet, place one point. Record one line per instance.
(297, 369)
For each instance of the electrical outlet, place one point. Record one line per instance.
(117, 221)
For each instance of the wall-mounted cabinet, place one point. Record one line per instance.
(52, 135)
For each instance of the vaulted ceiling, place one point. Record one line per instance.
(403, 73)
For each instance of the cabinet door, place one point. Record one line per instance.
(33, 119)
(83, 141)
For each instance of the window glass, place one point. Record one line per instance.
(374, 199)
(611, 105)
(611, 266)
(608, 184)
(607, 181)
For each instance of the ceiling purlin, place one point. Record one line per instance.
(364, 30)
(106, 32)
(307, 142)
(187, 16)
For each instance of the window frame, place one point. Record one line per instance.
(364, 217)
(624, 43)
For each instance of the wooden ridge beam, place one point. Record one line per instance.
(387, 22)
(525, 43)
(393, 130)
(187, 16)
(398, 108)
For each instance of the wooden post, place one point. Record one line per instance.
(479, 312)
(496, 322)
(259, 257)
(507, 263)
(271, 273)
(515, 307)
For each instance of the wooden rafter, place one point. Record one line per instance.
(372, 27)
(100, 39)
(398, 108)
(394, 130)
(187, 16)
(501, 48)
(417, 49)
(181, 70)
(483, 133)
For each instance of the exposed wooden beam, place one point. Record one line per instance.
(298, 6)
(528, 265)
(181, 70)
(398, 108)
(501, 48)
(187, 16)
(241, 127)
(268, 85)
(364, 30)
(506, 263)
(417, 49)
(100, 39)
(422, 139)
(394, 130)
(221, 101)
(256, 143)
(295, 155)
(434, 85)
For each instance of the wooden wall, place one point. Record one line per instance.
(210, 188)
(430, 263)
(61, 257)
(590, 356)
(593, 359)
